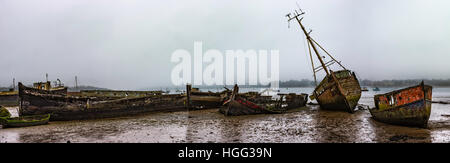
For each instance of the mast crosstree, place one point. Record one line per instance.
(313, 44)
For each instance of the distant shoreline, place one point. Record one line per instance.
(305, 83)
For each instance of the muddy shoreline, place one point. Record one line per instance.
(304, 125)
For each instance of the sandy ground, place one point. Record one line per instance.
(304, 125)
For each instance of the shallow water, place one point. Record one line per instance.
(309, 124)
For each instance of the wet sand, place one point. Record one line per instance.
(305, 125)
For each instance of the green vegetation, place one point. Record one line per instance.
(4, 112)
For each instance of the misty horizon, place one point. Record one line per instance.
(128, 44)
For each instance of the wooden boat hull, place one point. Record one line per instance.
(407, 107)
(63, 107)
(25, 121)
(241, 106)
(205, 100)
(245, 104)
(338, 91)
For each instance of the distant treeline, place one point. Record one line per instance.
(300, 83)
(397, 83)
(371, 83)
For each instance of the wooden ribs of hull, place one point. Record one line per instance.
(243, 107)
(246, 104)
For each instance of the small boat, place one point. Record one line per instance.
(376, 89)
(409, 107)
(245, 104)
(364, 89)
(4, 112)
(25, 121)
(205, 100)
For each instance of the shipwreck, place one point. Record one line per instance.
(339, 90)
(63, 107)
(409, 106)
(197, 100)
(11, 97)
(254, 103)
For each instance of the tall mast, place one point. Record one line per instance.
(308, 38)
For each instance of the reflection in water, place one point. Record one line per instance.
(392, 133)
(336, 126)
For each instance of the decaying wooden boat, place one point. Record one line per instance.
(67, 107)
(339, 90)
(205, 100)
(11, 97)
(114, 94)
(239, 104)
(25, 121)
(410, 106)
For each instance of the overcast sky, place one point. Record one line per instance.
(127, 44)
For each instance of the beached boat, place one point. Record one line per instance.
(67, 107)
(240, 104)
(364, 89)
(205, 100)
(113, 94)
(410, 106)
(11, 97)
(25, 121)
(339, 90)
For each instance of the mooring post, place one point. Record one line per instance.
(188, 96)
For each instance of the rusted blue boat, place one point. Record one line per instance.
(409, 107)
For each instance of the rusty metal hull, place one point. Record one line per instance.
(64, 107)
(338, 91)
(408, 107)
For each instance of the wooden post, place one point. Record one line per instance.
(188, 96)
